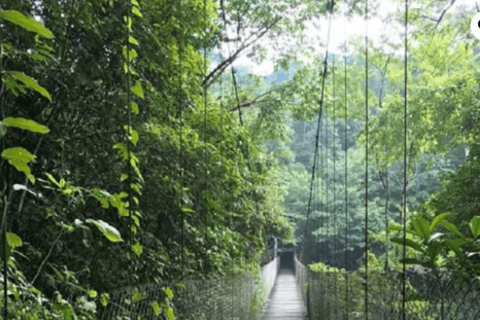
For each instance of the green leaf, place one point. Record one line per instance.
(168, 293)
(51, 178)
(92, 294)
(30, 83)
(104, 299)
(135, 108)
(123, 176)
(395, 227)
(26, 124)
(19, 158)
(134, 137)
(456, 244)
(138, 249)
(137, 12)
(438, 219)
(26, 22)
(138, 90)
(170, 314)
(409, 243)
(187, 210)
(133, 41)
(475, 226)
(13, 240)
(156, 308)
(422, 228)
(132, 54)
(451, 227)
(108, 231)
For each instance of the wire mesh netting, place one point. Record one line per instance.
(428, 296)
(238, 297)
(229, 297)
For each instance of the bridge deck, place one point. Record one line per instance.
(285, 300)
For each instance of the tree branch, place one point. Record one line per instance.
(208, 80)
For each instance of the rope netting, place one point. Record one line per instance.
(428, 296)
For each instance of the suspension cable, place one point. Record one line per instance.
(405, 139)
(5, 199)
(366, 159)
(205, 104)
(346, 172)
(129, 151)
(180, 133)
(319, 117)
(327, 220)
(334, 186)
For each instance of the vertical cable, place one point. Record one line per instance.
(334, 186)
(322, 194)
(319, 117)
(4, 192)
(405, 127)
(205, 102)
(327, 227)
(366, 160)
(346, 175)
(129, 151)
(180, 133)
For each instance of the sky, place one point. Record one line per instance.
(355, 27)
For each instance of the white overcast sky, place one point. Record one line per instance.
(356, 27)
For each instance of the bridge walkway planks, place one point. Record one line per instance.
(285, 300)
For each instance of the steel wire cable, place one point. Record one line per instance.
(319, 117)
(129, 156)
(404, 191)
(4, 192)
(334, 185)
(205, 105)
(366, 159)
(180, 114)
(346, 172)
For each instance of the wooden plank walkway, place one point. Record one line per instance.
(285, 300)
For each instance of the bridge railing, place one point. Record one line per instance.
(238, 297)
(445, 297)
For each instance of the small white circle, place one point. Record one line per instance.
(475, 26)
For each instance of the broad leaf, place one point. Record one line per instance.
(30, 83)
(170, 314)
(19, 158)
(138, 90)
(26, 124)
(13, 240)
(409, 243)
(26, 22)
(138, 249)
(451, 227)
(475, 226)
(168, 293)
(108, 231)
(134, 137)
(438, 219)
(456, 244)
(135, 108)
(422, 228)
